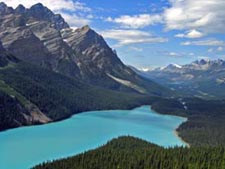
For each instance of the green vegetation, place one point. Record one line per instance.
(10, 91)
(11, 112)
(206, 119)
(58, 96)
(132, 153)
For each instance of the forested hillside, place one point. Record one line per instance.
(133, 153)
(55, 95)
(206, 119)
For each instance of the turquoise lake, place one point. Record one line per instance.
(25, 147)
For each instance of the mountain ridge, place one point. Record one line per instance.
(201, 78)
(34, 35)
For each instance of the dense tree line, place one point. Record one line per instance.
(10, 109)
(132, 153)
(206, 119)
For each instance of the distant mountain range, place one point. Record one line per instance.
(201, 78)
(49, 71)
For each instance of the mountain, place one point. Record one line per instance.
(38, 36)
(4, 9)
(201, 78)
(49, 71)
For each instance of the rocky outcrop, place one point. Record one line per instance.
(5, 10)
(42, 13)
(94, 57)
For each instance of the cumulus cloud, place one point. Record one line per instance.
(190, 34)
(197, 18)
(207, 42)
(126, 37)
(74, 20)
(220, 48)
(136, 21)
(207, 16)
(66, 8)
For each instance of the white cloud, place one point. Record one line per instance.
(126, 37)
(136, 21)
(66, 8)
(173, 54)
(207, 16)
(204, 57)
(207, 42)
(136, 49)
(74, 20)
(210, 50)
(220, 48)
(190, 34)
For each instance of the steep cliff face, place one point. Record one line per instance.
(95, 59)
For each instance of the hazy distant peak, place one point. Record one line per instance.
(173, 65)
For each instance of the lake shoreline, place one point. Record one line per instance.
(70, 116)
(87, 131)
(177, 135)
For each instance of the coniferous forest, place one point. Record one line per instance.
(132, 153)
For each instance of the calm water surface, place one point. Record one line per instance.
(25, 147)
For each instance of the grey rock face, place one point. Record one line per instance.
(1, 48)
(20, 9)
(5, 10)
(29, 48)
(42, 13)
(93, 55)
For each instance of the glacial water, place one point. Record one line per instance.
(25, 147)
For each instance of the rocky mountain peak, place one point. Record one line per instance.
(85, 28)
(40, 12)
(38, 6)
(3, 5)
(174, 66)
(20, 9)
(41, 37)
(5, 10)
(201, 61)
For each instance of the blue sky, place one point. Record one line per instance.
(149, 33)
